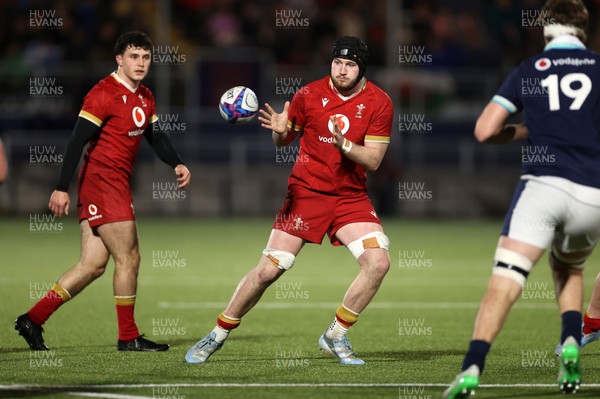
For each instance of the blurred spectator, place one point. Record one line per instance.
(3, 163)
(224, 28)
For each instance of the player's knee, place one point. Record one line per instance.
(135, 258)
(130, 259)
(560, 261)
(98, 270)
(373, 240)
(378, 263)
(93, 268)
(283, 260)
(512, 264)
(267, 275)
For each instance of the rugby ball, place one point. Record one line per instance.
(238, 105)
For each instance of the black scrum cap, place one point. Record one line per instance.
(352, 48)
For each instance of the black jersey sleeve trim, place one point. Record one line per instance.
(83, 132)
(162, 146)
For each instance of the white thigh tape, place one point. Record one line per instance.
(513, 265)
(375, 239)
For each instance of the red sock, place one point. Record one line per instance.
(227, 323)
(127, 328)
(590, 325)
(41, 311)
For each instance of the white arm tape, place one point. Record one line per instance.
(346, 146)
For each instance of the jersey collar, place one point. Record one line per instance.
(127, 85)
(332, 87)
(565, 42)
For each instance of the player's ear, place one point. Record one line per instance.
(119, 59)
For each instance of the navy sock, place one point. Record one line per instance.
(476, 354)
(571, 326)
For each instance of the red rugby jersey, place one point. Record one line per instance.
(122, 113)
(364, 117)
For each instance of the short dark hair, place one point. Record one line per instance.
(133, 39)
(566, 12)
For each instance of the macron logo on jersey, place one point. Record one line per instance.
(325, 101)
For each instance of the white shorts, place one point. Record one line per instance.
(552, 210)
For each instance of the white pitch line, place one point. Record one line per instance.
(373, 305)
(74, 388)
(108, 395)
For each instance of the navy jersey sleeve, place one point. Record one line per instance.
(509, 94)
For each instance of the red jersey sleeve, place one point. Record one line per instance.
(381, 127)
(296, 112)
(95, 106)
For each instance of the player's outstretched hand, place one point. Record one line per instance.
(338, 138)
(59, 203)
(276, 122)
(183, 174)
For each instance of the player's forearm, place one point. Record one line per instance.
(491, 126)
(278, 139)
(368, 158)
(162, 146)
(283, 139)
(508, 133)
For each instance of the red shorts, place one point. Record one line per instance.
(310, 215)
(104, 200)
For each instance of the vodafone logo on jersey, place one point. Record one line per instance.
(139, 117)
(93, 210)
(543, 64)
(343, 123)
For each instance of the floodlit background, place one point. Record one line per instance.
(440, 62)
(441, 195)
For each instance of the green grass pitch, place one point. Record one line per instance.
(413, 335)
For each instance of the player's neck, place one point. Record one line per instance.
(131, 84)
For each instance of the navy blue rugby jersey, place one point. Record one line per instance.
(559, 92)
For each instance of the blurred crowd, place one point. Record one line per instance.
(459, 33)
(42, 33)
(490, 34)
(39, 36)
